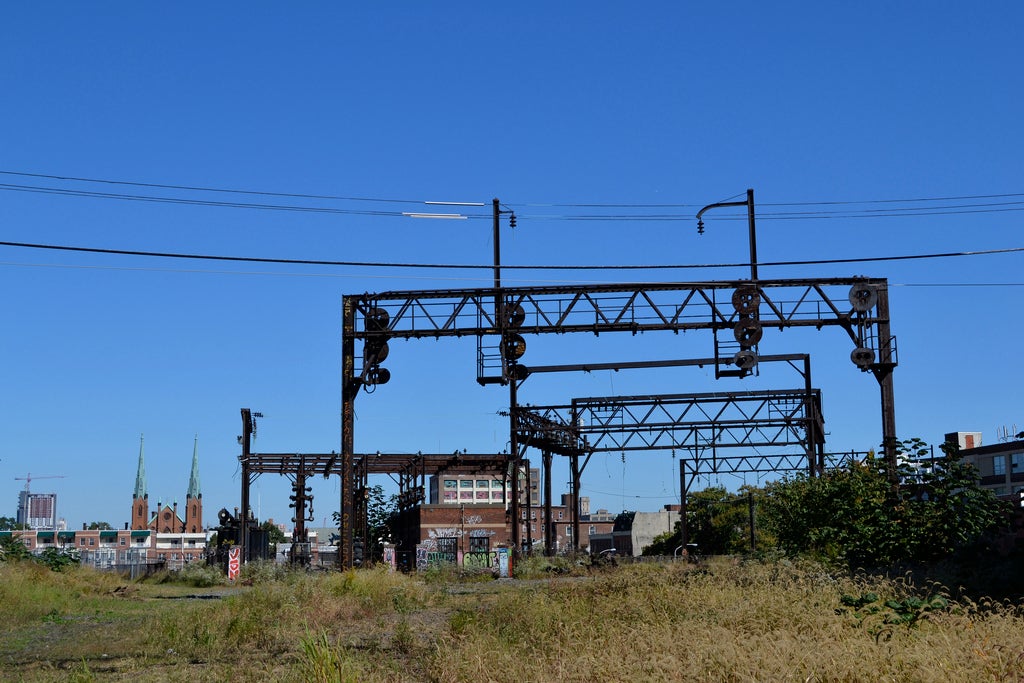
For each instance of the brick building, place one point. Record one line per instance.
(161, 537)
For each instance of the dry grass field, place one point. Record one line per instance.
(725, 621)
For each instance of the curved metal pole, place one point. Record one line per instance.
(750, 226)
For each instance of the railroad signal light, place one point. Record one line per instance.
(375, 348)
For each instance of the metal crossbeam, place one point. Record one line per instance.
(377, 463)
(617, 307)
(687, 421)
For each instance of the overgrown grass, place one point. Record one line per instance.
(724, 621)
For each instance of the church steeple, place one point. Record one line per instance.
(140, 476)
(193, 480)
(194, 497)
(140, 501)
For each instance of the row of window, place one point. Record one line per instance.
(1016, 464)
(533, 514)
(474, 495)
(567, 530)
(470, 483)
(450, 545)
(1003, 491)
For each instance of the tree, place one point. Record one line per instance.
(12, 548)
(57, 560)
(274, 535)
(718, 521)
(103, 526)
(10, 524)
(857, 515)
(946, 511)
(380, 514)
(844, 514)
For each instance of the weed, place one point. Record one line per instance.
(321, 662)
(403, 639)
(461, 621)
(758, 620)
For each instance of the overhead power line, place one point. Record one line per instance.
(454, 266)
(935, 206)
(198, 188)
(194, 202)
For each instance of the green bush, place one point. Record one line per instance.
(864, 515)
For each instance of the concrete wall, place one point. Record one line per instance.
(648, 525)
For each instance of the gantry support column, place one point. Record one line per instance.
(246, 476)
(349, 390)
(574, 489)
(549, 535)
(883, 372)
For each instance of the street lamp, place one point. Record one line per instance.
(750, 221)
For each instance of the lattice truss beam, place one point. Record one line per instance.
(621, 307)
(408, 470)
(739, 308)
(401, 464)
(707, 429)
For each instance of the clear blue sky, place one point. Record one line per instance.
(542, 106)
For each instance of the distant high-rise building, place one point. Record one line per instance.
(37, 510)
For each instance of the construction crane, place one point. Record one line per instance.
(28, 479)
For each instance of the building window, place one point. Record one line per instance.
(1017, 463)
(447, 549)
(593, 529)
(122, 540)
(92, 541)
(466, 483)
(479, 544)
(451, 484)
(496, 484)
(466, 495)
(482, 495)
(451, 495)
(999, 465)
(559, 514)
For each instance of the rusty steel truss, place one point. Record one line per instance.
(408, 470)
(736, 312)
(714, 433)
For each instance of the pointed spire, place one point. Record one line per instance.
(140, 477)
(193, 480)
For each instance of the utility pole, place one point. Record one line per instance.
(246, 440)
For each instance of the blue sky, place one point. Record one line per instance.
(542, 106)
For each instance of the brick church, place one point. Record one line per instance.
(168, 518)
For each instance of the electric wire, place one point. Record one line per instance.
(363, 276)
(467, 266)
(196, 188)
(195, 202)
(939, 204)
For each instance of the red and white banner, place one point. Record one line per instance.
(234, 562)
